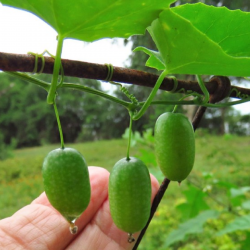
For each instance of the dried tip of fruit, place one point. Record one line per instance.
(131, 239)
(179, 183)
(73, 229)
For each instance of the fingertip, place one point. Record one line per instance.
(98, 171)
(155, 185)
(99, 178)
(41, 199)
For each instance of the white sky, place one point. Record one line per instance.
(21, 32)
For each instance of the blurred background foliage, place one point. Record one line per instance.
(209, 210)
(26, 119)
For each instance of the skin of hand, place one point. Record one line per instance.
(39, 226)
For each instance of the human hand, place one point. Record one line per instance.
(39, 226)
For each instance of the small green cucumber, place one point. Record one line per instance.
(174, 145)
(130, 194)
(66, 182)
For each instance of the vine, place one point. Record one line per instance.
(59, 125)
(24, 63)
(57, 65)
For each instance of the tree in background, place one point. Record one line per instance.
(26, 116)
(214, 120)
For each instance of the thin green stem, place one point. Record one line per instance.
(203, 88)
(59, 125)
(175, 107)
(192, 102)
(97, 92)
(208, 105)
(127, 105)
(151, 96)
(46, 86)
(223, 105)
(184, 97)
(57, 65)
(129, 135)
(31, 79)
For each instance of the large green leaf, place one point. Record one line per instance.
(240, 223)
(246, 205)
(192, 226)
(237, 195)
(246, 243)
(90, 20)
(195, 203)
(201, 39)
(155, 60)
(229, 29)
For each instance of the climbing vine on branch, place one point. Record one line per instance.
(25, 63)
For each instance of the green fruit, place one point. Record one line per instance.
(130, 194)
(66, 182)
(174, 145)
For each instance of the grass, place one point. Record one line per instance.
(20, 176)
(225, 159)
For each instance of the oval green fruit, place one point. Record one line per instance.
(66, 182)
(130, 194)
(174, 145)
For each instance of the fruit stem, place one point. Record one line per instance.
(131, 238)
(184, 97)
(151, 96)
(129, 134)
(59, 125)
(73, 228)
(175, 107)
(203, 88)
(57, 65)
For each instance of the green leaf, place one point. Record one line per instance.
(235, 192)
(237, 195)
(148, 157)
(227, 185)
(135, 137)
(207, 175)
(228, 28)
(191, 42)
(90, 20)
(155, 60)
(240, 223)
(246, 242)
(195, 203)
(148, 136)
(246, 205)
(192, 226)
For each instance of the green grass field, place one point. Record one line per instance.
(20, 176)
(224, 158)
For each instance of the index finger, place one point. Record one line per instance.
(40, 226)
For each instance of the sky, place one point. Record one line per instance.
(22, 32)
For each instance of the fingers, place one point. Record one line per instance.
(155, 186)
(102, 233)
(40, 226)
